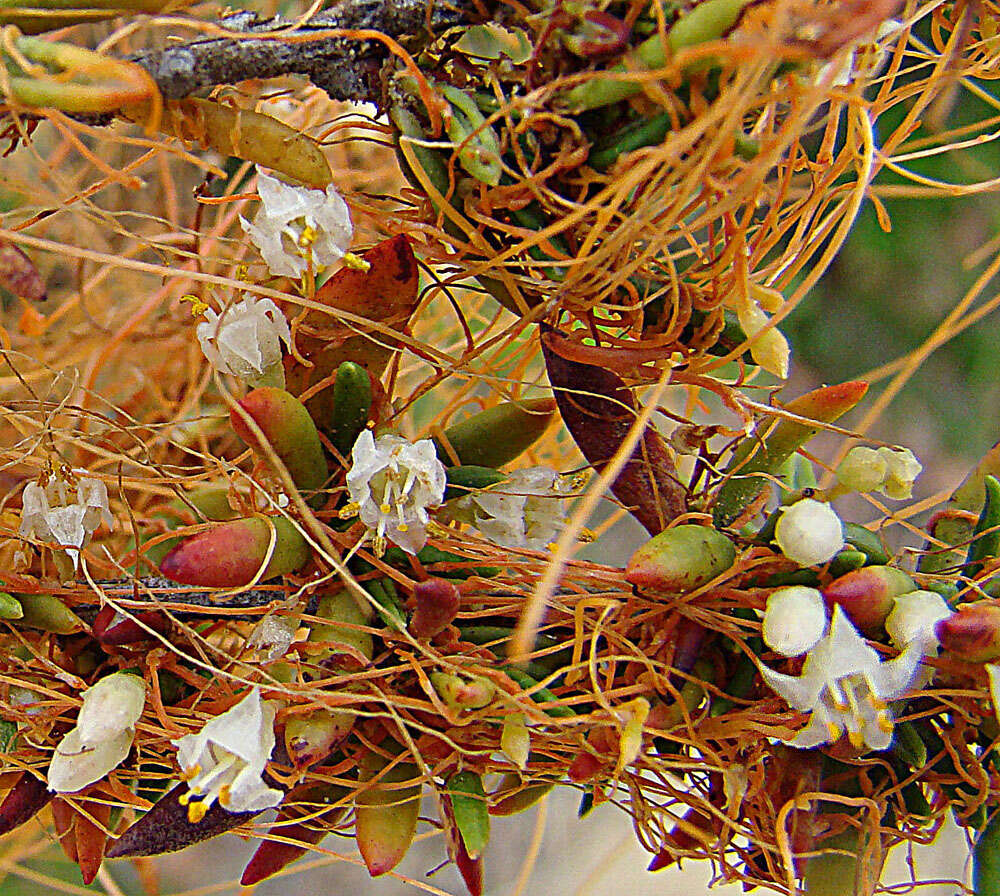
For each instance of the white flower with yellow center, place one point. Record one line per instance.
(392, 484)
(103, 735)
(225, 761)
(298, 225)
(844, 686)
(245, 341)
(55, 514)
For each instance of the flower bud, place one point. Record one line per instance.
(867, 595)
(914, 617)
(681, 559)
(862, 470)
(902, 469)
(460, 694)
(795, 620)
(809, 532)
(310, 738)
(438, 601)
(972, 633)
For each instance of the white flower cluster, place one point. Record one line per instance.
(55, 514)
(845, 686)
(392, 485)
(297, 225)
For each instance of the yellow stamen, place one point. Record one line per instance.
(355, 261)
(349, 510)
(834, 730)
(307, 237)
(857, 741)
(197, 811)
(225, 795)
(198, 307)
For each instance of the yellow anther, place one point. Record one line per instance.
(355, 261)
(349, 510)
(378, 545)
(385, 508)
(197, 811)
(403, 527)
(834, 730)
(586, 536)
(198, 307)
(242, 273)
(307, 237)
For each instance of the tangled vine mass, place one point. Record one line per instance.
(338, 345)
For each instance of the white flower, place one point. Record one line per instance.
(913, 618)
(225, 760)
(809, 532)
(105, 729)
(794, 620)
(846, 687)
(245, 341)
(50, 514)
(890, 471)
(392, 484)
(912, 621)
(295, 223)
(526, 511)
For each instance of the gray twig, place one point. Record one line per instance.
(345, 69)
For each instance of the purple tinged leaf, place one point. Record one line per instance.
(23, 802)
(598, 410)
(165, 827)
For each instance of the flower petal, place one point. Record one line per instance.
(75, 765)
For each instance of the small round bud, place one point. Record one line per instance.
(863, 470)
(902, 468)
(795, 620)
(809, 532)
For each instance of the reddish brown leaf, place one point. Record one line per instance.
(598, 410)
(271, 856)
(91, 838)
(23, 802)
(385, 294)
